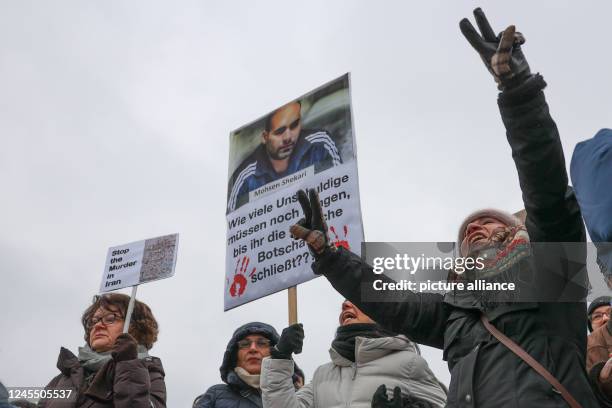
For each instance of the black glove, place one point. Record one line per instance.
(125, 348)
(501, 54)
(312, 228)
(291, 341)
(380, 400)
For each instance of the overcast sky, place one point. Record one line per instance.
(115, 120)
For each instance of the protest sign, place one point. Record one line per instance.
(139, 262)
(306, 143)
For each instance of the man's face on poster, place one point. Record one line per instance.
(285, 127)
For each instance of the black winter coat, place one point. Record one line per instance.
(484, 373)
(234, 394)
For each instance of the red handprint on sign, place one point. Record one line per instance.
(239, 284)
(337, 242)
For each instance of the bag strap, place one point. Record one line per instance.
(539, 368)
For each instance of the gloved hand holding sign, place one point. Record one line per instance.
(290, 342)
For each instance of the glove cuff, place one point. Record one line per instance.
(526, 89)
(514, 82)
(326, 253)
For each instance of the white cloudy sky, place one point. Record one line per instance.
(115, 119)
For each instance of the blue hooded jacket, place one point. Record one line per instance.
(591, 173)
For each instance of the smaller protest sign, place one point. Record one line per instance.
(139, 262)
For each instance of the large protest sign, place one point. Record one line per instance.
(139, 262)
(306, 143)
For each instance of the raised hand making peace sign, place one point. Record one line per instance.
(501, 54)
(312, 228)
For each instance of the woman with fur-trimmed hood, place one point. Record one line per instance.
(240, 369)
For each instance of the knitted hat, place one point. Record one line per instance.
(597, 302)
(507, 248)
(507, 218)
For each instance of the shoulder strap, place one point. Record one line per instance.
(539, 368)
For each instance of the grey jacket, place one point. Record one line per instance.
(393, 361)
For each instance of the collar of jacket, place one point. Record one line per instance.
(235, 381)
(101, 386)
(370, 349)
(245, 391)
(66, 361)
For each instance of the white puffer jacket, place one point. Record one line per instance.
(393, 361)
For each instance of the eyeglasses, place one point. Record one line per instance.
(106, 320)
(259, 343)
(596, 317)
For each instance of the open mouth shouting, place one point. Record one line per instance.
(347, 316)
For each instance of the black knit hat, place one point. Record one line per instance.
(597, 302)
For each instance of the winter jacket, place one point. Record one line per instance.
(235, 393)
(484, 373)
(313, 147)
(4, 397)
(598, 351)
(392, 361)
(126, 384)
(591, 171)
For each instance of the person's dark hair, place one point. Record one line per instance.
(143, 325)
(268, 123)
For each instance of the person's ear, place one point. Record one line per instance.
(264, 136)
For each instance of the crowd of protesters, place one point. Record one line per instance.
(501, 352)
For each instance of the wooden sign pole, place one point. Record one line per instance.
(292, 292)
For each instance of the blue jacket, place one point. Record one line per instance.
(234, 394)
(591, 172)
(312, 148)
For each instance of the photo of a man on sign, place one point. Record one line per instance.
(309, 133)
(305, 143)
